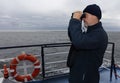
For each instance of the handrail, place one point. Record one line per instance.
(37, 45)
(44, 45)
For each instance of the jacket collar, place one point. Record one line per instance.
(98, 25)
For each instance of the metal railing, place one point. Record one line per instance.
(43, 46)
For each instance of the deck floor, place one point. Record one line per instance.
(104, 78)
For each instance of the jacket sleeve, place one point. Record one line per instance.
(82, 40)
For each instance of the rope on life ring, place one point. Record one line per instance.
(28, 77)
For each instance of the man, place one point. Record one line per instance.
(88, 48)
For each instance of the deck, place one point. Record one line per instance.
(104, 78)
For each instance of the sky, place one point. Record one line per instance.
(51, 14)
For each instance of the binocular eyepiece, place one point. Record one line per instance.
(83, 16)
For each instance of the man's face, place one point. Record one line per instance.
(89, 19)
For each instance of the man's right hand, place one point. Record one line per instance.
(77, 15)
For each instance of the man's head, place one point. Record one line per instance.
(92, 14)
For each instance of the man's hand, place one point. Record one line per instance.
(77, 15)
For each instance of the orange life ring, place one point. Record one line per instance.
(28, 77)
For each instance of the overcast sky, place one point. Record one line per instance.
(19, 13)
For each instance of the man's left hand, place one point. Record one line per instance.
(77, 15)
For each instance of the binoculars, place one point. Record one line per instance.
(83, 16)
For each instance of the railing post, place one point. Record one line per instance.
(43, 63)
(112, 63)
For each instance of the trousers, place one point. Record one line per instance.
(84, 73)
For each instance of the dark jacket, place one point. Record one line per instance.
(89, 47)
